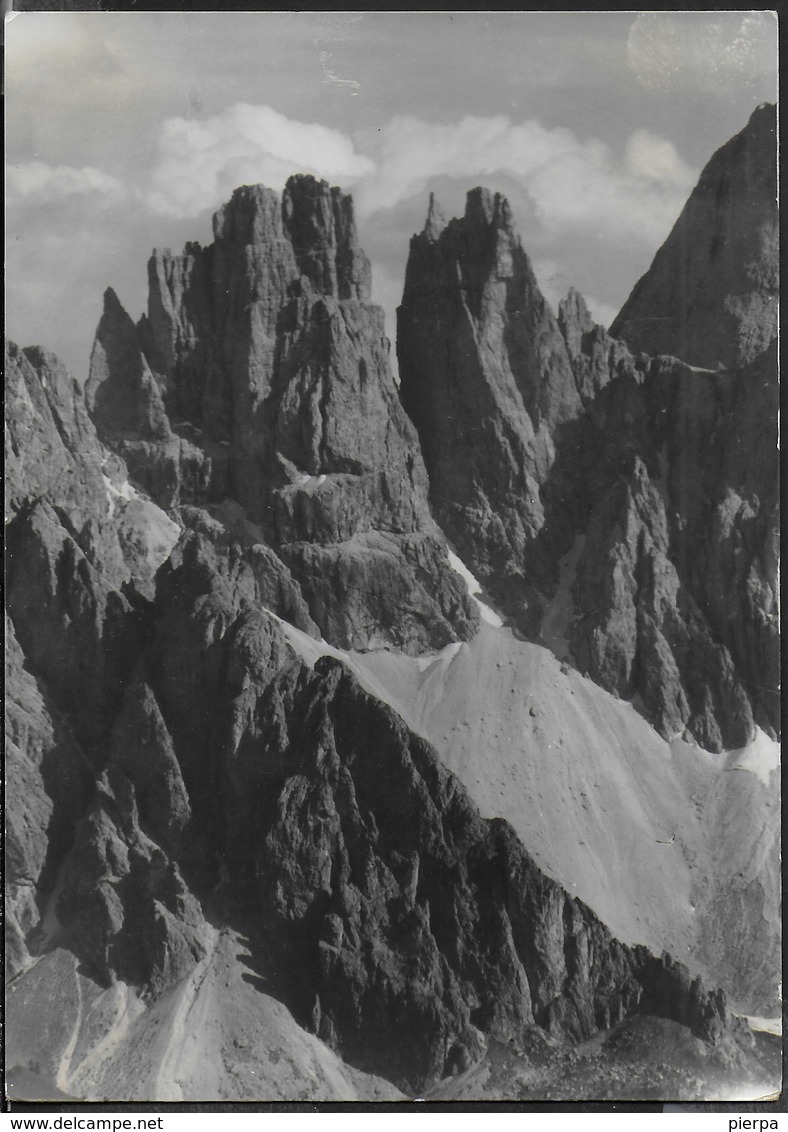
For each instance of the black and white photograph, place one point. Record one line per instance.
(392, 534)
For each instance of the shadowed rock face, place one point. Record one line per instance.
(261, 373)
(538, 432)
(677, 575)
(476, 340)
(710, 296)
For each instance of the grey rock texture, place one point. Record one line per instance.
(83, 551)
(538, 432)
(82, 548)
(486, 379)
(403, 927)
(47, 781)
(261, 373)
(126, 910)
(399, 926)
(710, 296)
(677, 578)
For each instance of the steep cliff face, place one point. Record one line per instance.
(710, 296)
(83, 550)
(83, 545)
(630, 516)
(486, 379)
(677, 576)
(261, 373)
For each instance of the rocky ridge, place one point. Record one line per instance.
(657, 479)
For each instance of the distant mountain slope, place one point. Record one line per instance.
(710, 296)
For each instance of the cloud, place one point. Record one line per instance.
(410, 151)
(202, 161)
(639, 197)
(38, 182)
(571, 183)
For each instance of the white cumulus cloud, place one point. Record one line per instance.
(639, 197)
(202, 161)
(410, 151)
(38, 182)
(571, 182)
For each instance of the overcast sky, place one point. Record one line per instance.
(126, 131)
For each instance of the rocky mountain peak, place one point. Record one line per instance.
(310, 232)
(710, 295)
(321, 226)
(253, 215)
(260, 375)
(475, 333)
(574, 319)
(436, 219)
(487, 209)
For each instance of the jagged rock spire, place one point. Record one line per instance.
(436, 219)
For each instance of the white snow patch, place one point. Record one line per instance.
(305, 480)
(766, 1025)
(459, 567)
(489, 615)
(113, 491)
(474, 589)
(760, 757)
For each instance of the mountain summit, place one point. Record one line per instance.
(710, 296)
